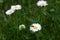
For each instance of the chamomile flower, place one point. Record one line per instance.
(9, 12)
(22, 27)
(35, 27)
(16, 7)
(42, 3)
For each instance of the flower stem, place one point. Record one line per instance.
(37, 37)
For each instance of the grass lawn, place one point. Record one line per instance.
(48, 17)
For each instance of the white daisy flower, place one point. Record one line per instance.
(35, 27)
(16, 7)
(22, 27)
(9, 12)
(42, 3)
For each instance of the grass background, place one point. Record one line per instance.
(48, 17)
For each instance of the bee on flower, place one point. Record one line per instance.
(35, 27)
(9, 12)
(16, 7)
(22, 27)
(42, 3)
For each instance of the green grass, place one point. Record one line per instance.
(48, 17)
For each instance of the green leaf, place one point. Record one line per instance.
(1, 1)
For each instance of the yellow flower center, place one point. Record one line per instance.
(42, 4)
(16, 6)
(35, 27)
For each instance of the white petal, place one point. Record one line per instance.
(16, 7)
(22, 27)
(9, 12)
(39, 3)
(32, 29)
